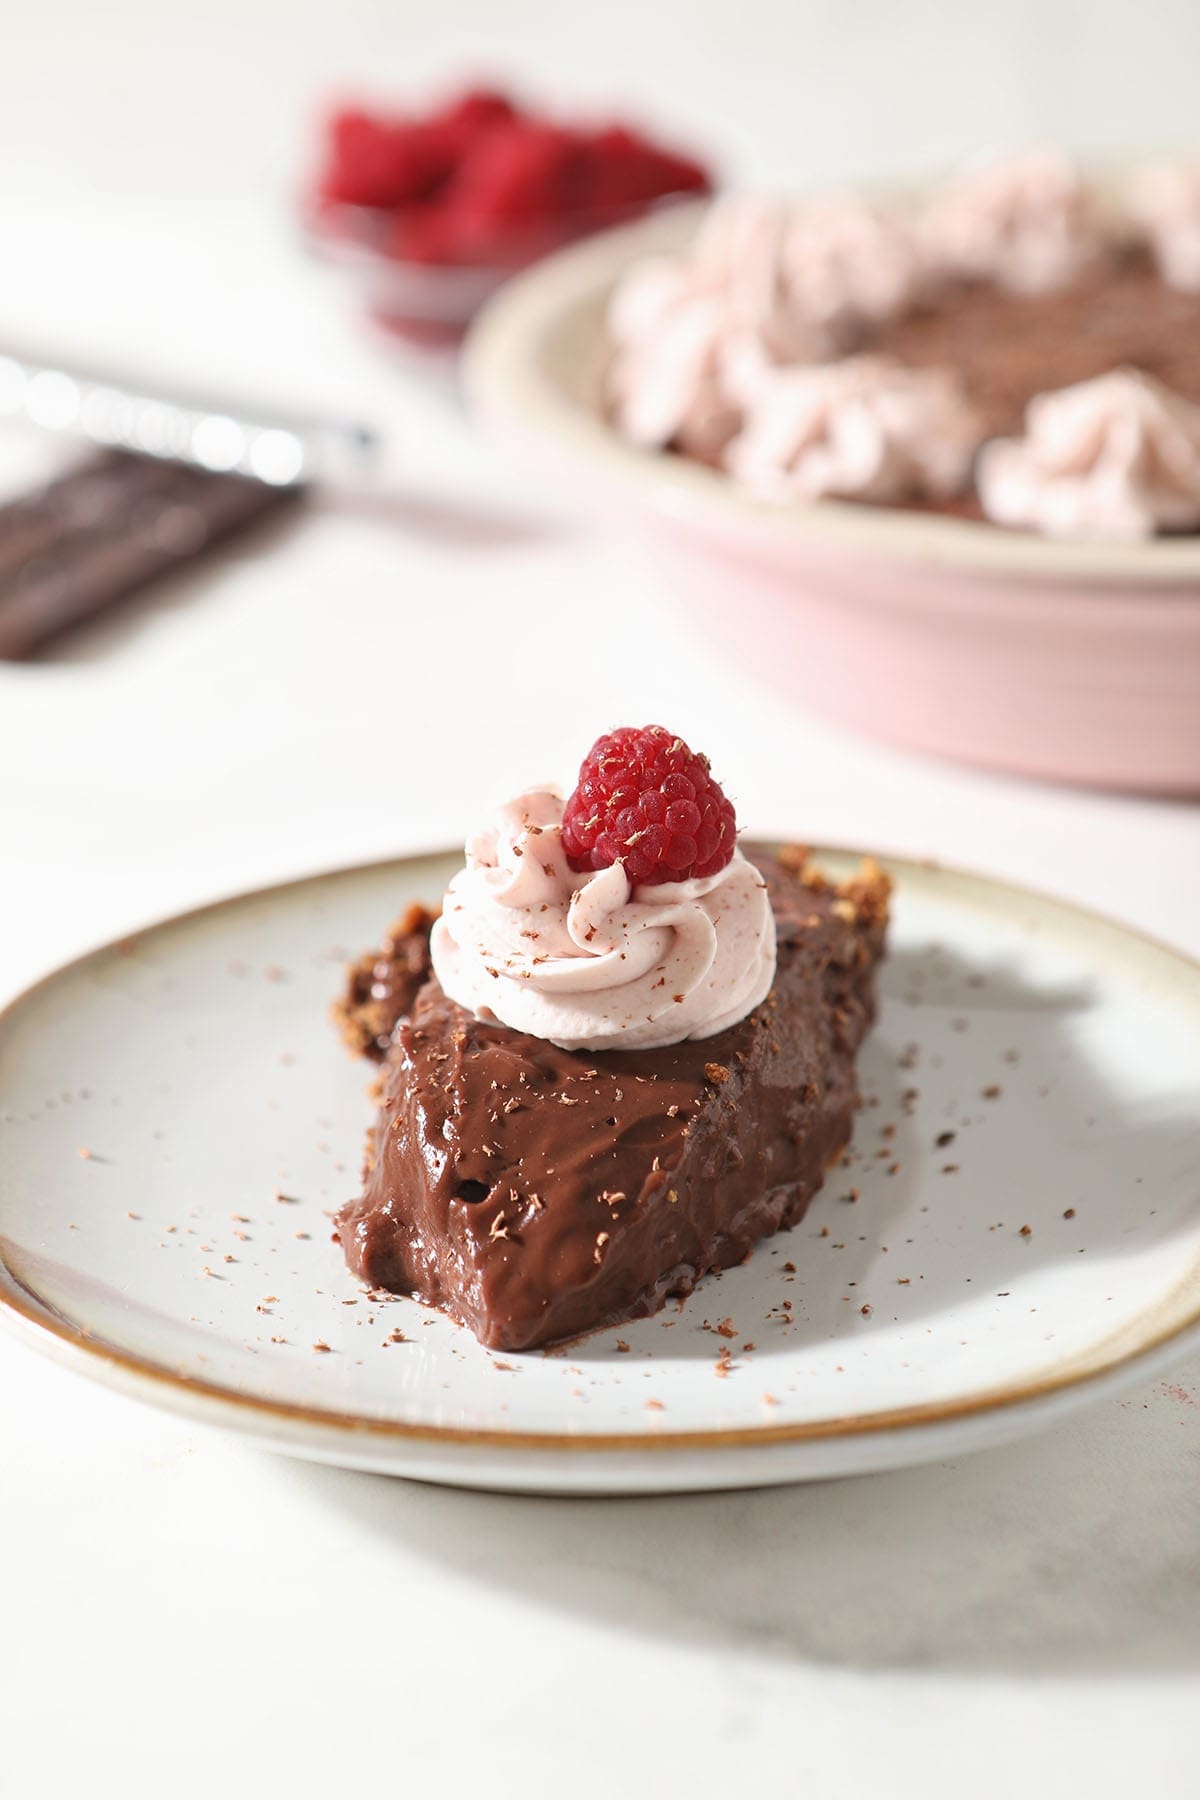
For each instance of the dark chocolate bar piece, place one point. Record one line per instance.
(107, 528)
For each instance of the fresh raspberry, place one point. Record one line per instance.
(478, 109)
(519, 173)
(384, 163)
(426, 234)
(644, 799)
(625, 170)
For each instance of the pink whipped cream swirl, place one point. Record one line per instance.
(851, 263)
(665, 381)
(587, 962)
(863, 429)
(807, 276)
(1032, 224)
(1164, 201)
(1118, 457)
(790, 284)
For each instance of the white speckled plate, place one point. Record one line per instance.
(1016, 1230)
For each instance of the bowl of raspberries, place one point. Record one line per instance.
(431, 211)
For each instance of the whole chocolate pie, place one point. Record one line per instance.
(1022, 347)
(596, 1090)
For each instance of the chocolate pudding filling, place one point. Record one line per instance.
(1008, 347)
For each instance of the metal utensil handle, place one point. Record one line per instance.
(273, 447)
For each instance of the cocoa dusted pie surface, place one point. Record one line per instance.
(535, 1193)
(1008, 347)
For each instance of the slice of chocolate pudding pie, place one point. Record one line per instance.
(622, 1055)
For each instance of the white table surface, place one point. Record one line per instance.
(180, 1615)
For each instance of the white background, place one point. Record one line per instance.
(179, 1615)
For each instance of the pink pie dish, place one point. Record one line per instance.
(1073, 661)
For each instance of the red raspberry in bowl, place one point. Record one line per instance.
(426, 234)
(644, 799)
(627, 170)
(478, 186)
(519, 175)
(478, 109)
(384, 163)
(482, 180)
